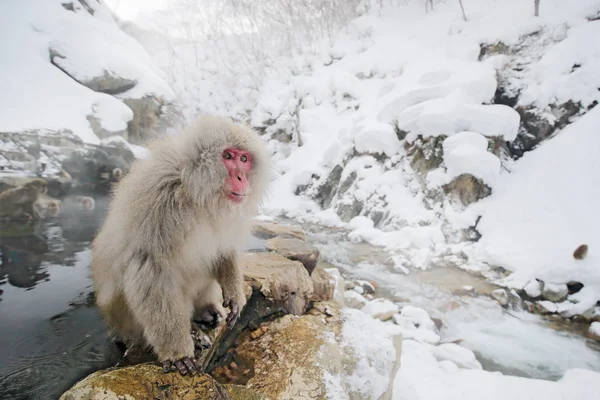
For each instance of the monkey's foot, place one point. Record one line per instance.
(201, 340)
(208, 319)
(184, 365)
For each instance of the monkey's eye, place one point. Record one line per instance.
(244, 158)
(227, 155)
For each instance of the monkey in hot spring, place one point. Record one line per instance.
(168, 248)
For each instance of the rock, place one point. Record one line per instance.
(594, 331)
(367, 287)
(555, 292)
(278, 278)
(574, 287)
(323, 285)
(338, 293)
(109, 83)
(381, 309)
(354, 300)
(359, 289)
(293, 359)
(348, 285)
(514, 300)
(275, 286)
(347, 211)
(152, 116)
(147, 381)
(467, 189)
(427, 154)
(269, 230)
(596, 314)
(295, 249)
(501, 296)
(326, 192)
(533, 289)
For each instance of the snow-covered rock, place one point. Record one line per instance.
(555, 292)
(354, 299)
(533, 288)
(381, 309)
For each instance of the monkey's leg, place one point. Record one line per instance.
(231, 279)
(208, 311)
(157, 303)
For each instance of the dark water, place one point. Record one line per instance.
(50, 334)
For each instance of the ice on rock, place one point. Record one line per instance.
(595, 330)
(381, 309)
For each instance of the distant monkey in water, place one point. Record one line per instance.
(168, 248)
(21, 201)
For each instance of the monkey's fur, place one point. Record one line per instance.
(20, 201)
(170, 241)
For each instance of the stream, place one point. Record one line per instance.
(51, 335)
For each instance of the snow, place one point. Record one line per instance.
(381, 309)
(422, 377)
(37, 95)
(543, 210)
(595, 329)
(466, 153)
(533, 288)
(372, 343)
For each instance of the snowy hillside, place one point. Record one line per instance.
(66, 69)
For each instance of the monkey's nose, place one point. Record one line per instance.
(239, 178)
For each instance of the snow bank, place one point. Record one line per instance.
(372, 343)
(38, 95)
(422, 377)
(547, 207)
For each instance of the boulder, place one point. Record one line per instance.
(147, 381)
(467, 189)
(152, 117)
(269, 230)
(381, 309)
(323, 285)
(500, 296)
(338, 293)
(295, 356)
(533, 289)
(354, 299)
(295, 249)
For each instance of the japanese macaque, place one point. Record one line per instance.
(580, 252)
(21, 201)
(168, 248)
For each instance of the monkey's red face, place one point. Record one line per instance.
(238, 163)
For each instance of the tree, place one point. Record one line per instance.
(536, 4)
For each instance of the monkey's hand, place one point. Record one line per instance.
(236, 303)
(184, 365)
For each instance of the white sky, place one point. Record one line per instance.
(131, 9)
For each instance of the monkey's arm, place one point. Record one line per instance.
(157, 303)
(231, 279)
